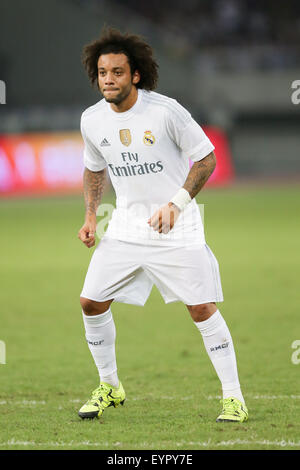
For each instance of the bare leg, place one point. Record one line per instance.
(91, 307)
(202, 312)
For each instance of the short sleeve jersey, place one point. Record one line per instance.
(146, 151)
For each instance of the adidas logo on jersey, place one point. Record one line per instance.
(104, 143)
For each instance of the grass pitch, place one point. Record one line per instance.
(172, 390)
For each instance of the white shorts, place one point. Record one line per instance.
(126, 271)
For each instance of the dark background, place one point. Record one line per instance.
(231, 62)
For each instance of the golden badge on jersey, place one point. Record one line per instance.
(125, 137)
(149, 138)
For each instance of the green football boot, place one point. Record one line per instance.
(233, 410)
(104, 396)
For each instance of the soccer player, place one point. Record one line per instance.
(155, 235)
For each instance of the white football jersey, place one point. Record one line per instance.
(146, 151)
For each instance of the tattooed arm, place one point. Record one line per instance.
(93, 185)
(199, 174)
(164, 219)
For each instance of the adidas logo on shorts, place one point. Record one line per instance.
(104, 143)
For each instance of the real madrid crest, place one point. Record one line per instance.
(149, 138)
(125, 137)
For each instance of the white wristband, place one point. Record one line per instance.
(181, 199)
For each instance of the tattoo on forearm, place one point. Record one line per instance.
(93, 186)
(199, 174)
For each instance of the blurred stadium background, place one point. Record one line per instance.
(232, 64)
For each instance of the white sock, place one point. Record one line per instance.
(219, 346)
(101, 335)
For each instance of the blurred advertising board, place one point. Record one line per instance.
(40, 163)
(224, 171)
(50, 163)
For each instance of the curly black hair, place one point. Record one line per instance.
(139, 53)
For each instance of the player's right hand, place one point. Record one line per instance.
(87, 233)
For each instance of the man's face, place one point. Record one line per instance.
(114, 77)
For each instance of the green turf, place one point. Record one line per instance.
(171, 385)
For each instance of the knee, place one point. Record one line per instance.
(91, 307)
(202, 312)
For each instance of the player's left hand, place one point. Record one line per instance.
(163, 220)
